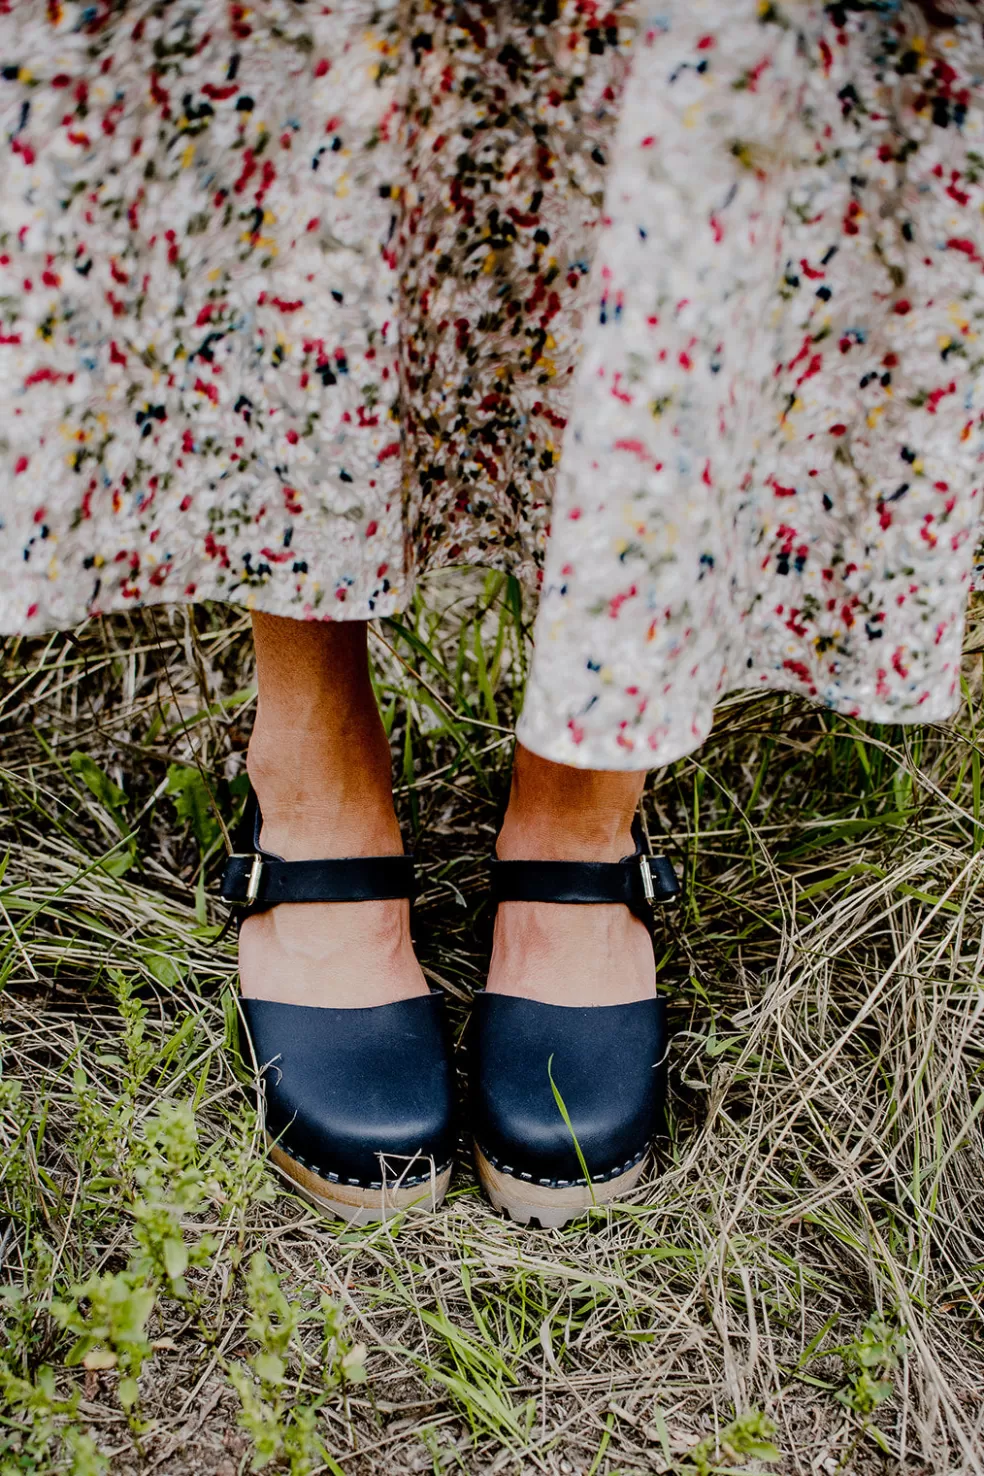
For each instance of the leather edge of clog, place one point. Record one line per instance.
(433, 1000)
(487, 1000)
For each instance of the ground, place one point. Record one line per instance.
(798, 1284)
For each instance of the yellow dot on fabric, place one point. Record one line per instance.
(875, 415)
(188, 156)
(918, 466)
(53, 569)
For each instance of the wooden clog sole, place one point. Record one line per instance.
(553, 1208)
(352, 1202)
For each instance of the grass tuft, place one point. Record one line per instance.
(800, 1286)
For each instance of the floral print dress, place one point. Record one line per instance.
(675, 307)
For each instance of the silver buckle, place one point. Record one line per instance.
(648, 890)
(255, 877)
(255, 874)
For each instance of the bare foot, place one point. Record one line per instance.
(345, 955)
(562, 953)
(539, 953)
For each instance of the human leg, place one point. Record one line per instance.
(319, 763)
(555, 953)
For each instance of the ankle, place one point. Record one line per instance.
(564, 814)
(564, 836)
(321, 798)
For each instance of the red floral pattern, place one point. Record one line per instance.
(291, 305)
(214, 219)
(772, 474)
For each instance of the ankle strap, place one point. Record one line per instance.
(642, 882)
(256, 880)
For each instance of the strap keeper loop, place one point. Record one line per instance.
(669, 885)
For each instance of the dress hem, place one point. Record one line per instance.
(603, 754)
(393, 602)
(610, 755)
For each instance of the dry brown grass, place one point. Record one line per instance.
(810, 1251)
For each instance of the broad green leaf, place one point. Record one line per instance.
(269, 1367)
(98, 782)
(193, 803)
(175, 1258)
